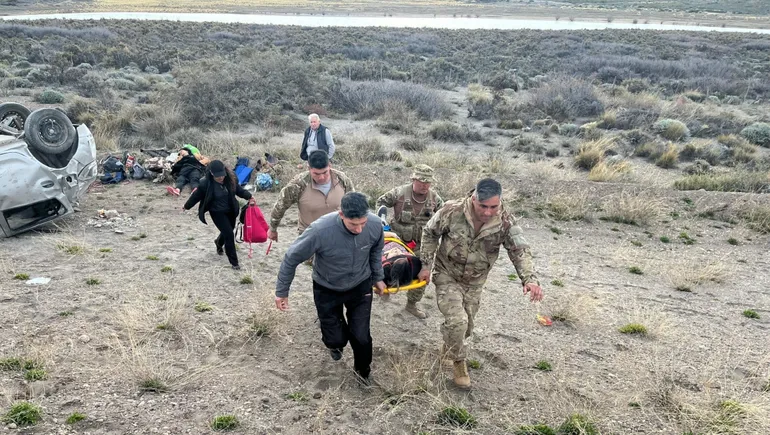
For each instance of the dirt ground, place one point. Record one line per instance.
(114, 317)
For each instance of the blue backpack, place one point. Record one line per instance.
(264, 181)
(243, 171)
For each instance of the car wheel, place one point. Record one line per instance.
(12, 118)
(49, 131)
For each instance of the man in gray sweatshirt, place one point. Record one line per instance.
(348, 261)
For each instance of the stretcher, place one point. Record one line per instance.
(415, 284)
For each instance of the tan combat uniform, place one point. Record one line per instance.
(311, 202)
(461, 260)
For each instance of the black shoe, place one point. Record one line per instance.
(336, 354)
(220, 249)
(365, 381)
(236, 267)
(382, 213)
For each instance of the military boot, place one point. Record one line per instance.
(411, 308)
(461, 377)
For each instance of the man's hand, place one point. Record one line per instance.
(379, 287)
(272, 235)
(282, 303)
(535, 292)
(424, 275)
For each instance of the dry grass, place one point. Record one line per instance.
(570, 206)
(609, 171)
(632, 208)
(686, 275)
(571, 308)
(590, 153)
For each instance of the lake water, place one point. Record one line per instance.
(377, 21)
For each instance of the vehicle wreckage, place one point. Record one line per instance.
(46, 167)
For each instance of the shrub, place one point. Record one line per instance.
(566, 98)
(507, 124)
(671, 129)
(569, 129)
(417, 144)
(636, 85)
(446, 131)
(16, 82)
(369, 98)
(591, 153)
(49, 96)
(362, 149)
(669, 158)
(479, 101)
(23, 414)
(758, 134)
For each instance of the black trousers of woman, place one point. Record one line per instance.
(225, 223)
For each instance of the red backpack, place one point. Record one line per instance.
(253, 228)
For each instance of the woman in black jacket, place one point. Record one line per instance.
(216, 194)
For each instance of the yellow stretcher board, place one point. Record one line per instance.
(415, 284)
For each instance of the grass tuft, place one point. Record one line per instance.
(751, 314)
(634, 329)
(75, 417)
(23, 414)
(457, 417)
(224, 422)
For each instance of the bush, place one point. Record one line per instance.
(218, 91)
(447, 131)
(758, 134)
(417, 144)
(369, 98)
(569, 129)
(671, 129)
(397, 116)
(507, 124)
(362, 149)
(49, 96)
(668, 159)
(636, 85)
(479, 101)
(16, 82)
(591, 153)
(566, 98)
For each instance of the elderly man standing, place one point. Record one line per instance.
(460, 244)
(348, 261)
(317, 137)
(413, 205)
(316, 193)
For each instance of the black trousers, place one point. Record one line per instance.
(337, 330)
(188, 175)
(225, 223)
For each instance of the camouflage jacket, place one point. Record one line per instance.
(292, 192)
(450, 248)
(405, 222)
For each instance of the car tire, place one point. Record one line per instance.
(17, 111)
(49, 131)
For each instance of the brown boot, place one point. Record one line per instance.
(411, 308)
(461, 377)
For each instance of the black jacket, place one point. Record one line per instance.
(203, 196)
(184, 162)
(320, 137)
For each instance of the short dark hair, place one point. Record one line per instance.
(488, 188)
(318, 159)
(354, 205)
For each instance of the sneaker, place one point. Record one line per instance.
(382, 213)
(236, 267)
(173, 190)
(336, 354)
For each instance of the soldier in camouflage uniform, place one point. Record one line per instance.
(460, 244)
(413, 205)
(316, 193)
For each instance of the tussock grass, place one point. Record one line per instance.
(609, 171)
(590, 153)
(733, 181)
(686, 275)
(632, 208)
(570, 206)
(571, 308)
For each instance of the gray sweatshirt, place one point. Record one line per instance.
(342, 259)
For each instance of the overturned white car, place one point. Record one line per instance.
(46, 166)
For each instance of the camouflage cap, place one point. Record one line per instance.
(423, 173)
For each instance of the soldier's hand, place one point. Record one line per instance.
(535, 292)
(379, 287)
(424, 275)
(282, 303)
(272, 235)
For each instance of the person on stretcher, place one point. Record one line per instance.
(400, 265)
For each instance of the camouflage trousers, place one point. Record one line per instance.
(459, 304)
